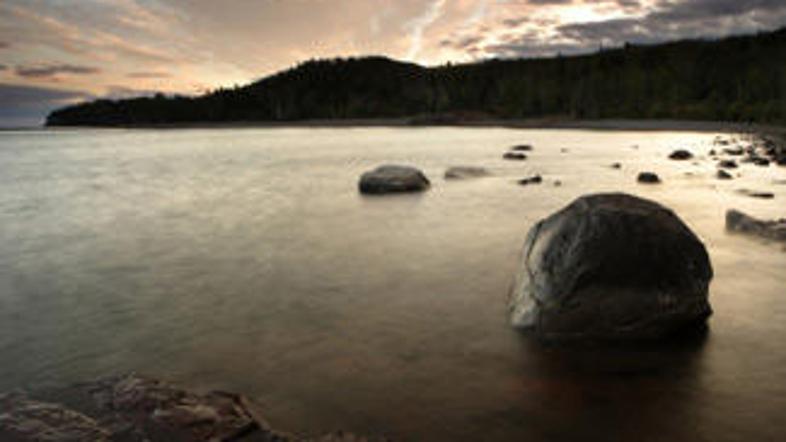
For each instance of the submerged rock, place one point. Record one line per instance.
(465, 172)
(756, 194)
(611, 266)
(737, 221)
(133, 408)
(522, 148)
(616, 166)
(25, 419)
(648, 178)
(393, 179)
(681, 154)
(516, 156)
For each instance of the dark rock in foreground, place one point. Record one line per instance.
(737, 221)
(648, 178)
(681, 155)
(465, 172)
(727, 164)
(393, 179)
(516, 156)
(611, 266)
(135, 409)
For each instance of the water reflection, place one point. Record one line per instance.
(246, 260)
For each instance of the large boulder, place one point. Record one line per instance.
(611, 266)
(393, 179)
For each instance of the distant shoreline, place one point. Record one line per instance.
(603, 125)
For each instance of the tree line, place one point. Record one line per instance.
(733, 79)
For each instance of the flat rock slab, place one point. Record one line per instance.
(132, 408)
(465, 172)
(514, 156)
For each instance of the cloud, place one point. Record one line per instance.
(151, 74)
(48, 71)
(27, 105)
(419, 25)
(615, 22)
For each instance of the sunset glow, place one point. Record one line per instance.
(99, 48)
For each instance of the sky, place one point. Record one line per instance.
(57, 52)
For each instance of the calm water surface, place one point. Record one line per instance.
(246, 260)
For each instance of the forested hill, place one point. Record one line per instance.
(737, 78)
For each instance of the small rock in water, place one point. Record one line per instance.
(516, 156)
(537, 179)
(393, 179)
(465, 172)
(760, 161)
(557, 183)
(737, 221)
(616, 166)
(735, 151)
(522, 148)
(723, 175)
(728, 164)
(648, 178)
(681, 154)
(756, 194)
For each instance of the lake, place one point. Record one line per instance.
(246, 260)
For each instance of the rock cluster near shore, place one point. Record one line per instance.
(611, 266)
(133, 408)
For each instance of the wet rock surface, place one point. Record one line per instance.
(393, 179)
(611, 266)
(132, 408)
(737, 221)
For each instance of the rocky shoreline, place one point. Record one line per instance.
(134, 408)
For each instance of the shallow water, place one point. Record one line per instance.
(246, 260)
